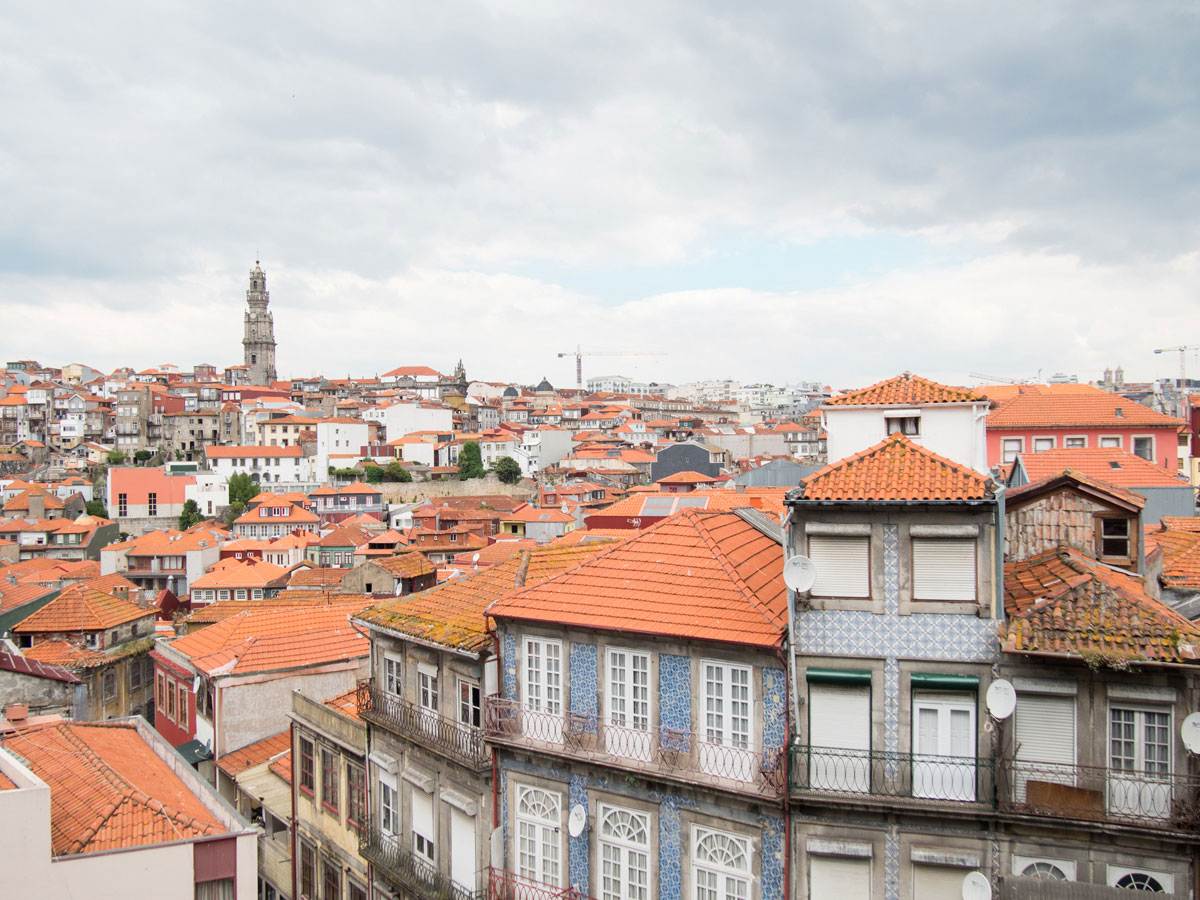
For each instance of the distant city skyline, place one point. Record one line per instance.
(774, 192)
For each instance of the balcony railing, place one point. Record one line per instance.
(1101, 794)
(910, 777)
(445, 736)
(659, 752)
(403, 867)
(503, 885)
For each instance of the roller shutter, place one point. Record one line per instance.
(943, 568)
(843, 566)
(838, 878)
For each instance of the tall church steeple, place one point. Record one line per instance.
(259, 342)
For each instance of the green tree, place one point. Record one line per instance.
(374, 474)
(96, 508)
(395, 471)
(116, 457)
(141, 456)
(190, 515)
(508, 470)
(470, 461)
(242, 488)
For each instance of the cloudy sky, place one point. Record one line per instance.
(764, 191)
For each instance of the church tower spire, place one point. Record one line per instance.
(259, 342)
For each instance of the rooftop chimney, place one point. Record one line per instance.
(16, 713)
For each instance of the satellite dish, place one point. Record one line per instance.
(577, 820)
(799, 573)
(976, 887)
(475, 558)
(1001, 699)
(1189, 731)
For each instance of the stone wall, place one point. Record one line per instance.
(1061, 517)
(410, 493)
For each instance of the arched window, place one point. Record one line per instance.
(720, 865)
(1140, 881)
(1043, 869)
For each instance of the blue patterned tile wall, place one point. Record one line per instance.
(891, 569)
(510, 666)
(578, 796)
(919, 636)
(891, 705)
(891, 864)
(584, 686)
(670, 848)
(675, 692)
(504, 831)
(774, 688)
(773, 852)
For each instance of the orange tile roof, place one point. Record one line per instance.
(241, 574)
(696, 575)
(249, 452)
(1093, 407)
(109, 790)
(316, 576)
(282, 766)
(346, 703)
(493, 553)
(1180, 556)
(1017, 496)
(81, 608)
(895, 469)
(1180, 523)
(1104, 463)
(452, 614)
(906, 390)
(769, 500)
(293, 515)
(1097, 614)
(689, 477)
(14, 595)
(263, 638)
(58, 652)
(345, 537)
(406, 565)
(255, 754)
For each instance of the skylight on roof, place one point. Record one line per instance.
(1114, 464)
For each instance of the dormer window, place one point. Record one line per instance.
(1115, 540)
(908, 425)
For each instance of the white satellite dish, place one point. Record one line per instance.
(799, 573)
(976, 887)
(1001, 699)
(577, 820)
(1189, 732)
(475, 558)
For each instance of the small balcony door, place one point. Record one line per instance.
(543, 715)
(427, 696)
(943, 748)
(725, 750)
(1139, 778)
(627, 732)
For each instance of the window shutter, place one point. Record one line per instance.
(1046, 729)
(842, 563)
(838, 878)
(839, 717)
(422, 814)
(943, 568)
(937, 882)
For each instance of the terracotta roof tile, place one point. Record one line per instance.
(109, 790)
(1180, 556)
(81, 608)
(696, 575)
(316, 577)
(1094, 407)
(255, 754)
(282, 766)
(1104, 463)
(263, 638)
(895, 469)
(453, 614)
(406, 565)
(346, 703)
(906, 390)
(1093, 612)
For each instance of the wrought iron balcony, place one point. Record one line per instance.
(666, 753)
(1101, 794)
(906, 777)
(404, 868)
(444, 736)
(504, 885)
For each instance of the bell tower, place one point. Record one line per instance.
(259, 342)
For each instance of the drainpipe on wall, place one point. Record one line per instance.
(998, 588)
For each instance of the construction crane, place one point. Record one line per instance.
(1000, 379)
(1183, 383)
(580, 354)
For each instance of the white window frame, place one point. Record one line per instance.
(1134, 438)
(623, 865)
(469, 710)
(1106, 442)
(1044, 439)
(728, 728)
(941, 774)
(627, 703)
(1136, 791)
(1116, 873)
(393, 675)
(424, 826)
(1007, 453)
(924, 549)
(389, 805)
(1021, 863)
(1067, 439)
(857, 548)
(721, 880)
(542, 687)
(844, 764)
(538, 850)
